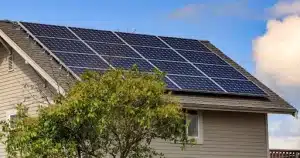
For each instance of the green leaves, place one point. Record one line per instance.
(116, 113)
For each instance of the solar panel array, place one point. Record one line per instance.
(190, 66)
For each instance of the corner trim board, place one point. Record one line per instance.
(32, 63)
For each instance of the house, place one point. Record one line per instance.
(228, 106)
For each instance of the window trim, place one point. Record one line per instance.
(199, 138)
(10, 113)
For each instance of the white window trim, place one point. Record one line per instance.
(10, 113)
(199, 138)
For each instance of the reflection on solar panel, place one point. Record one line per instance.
(159, 53)
(202, 57)
(190, 66)
(186, 44)
(113, 50)
(49, 30)
(196, 83)
(55, 44)
(81, 60)
(127, 63)
(142, 40)
(96, 35)
(220, 71)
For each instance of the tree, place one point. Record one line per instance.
(117, 113)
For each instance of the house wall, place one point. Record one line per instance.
(22, 85)
(226, 135)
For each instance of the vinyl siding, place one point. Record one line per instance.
(22, 85)
(226, 135)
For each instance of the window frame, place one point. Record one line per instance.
(199, 138)
(10, 113)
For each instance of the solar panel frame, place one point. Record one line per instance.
(184, 44)
(179, 68)
(202, 57)
(238, 87)
(64, 45)
(220, 71)
(57, 31)
(132, 39)
(127, 63)
(74, 59)
(192, 82)
(152, 53)
(108, 49)
(96, 35)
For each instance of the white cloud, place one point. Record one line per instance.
(187, 12)
(284, 143)
(277, 52)
(284, 8)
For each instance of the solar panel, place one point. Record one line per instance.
(206, 70)
(49, 30)
(170, 85)
(65, 45)
(96, 35)
(159, 53)
(195, 83)
(81, 60)
(202, 57)
(186, 44)
(221, 71)
(176, 68)
(240, 86)
(113, 50)
(127, 63)
(142, 40)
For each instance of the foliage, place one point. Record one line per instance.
(117, 113)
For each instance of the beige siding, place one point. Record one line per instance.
(22, 85)
(226, 135)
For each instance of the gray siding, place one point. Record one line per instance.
(226, 135)
(22, 85)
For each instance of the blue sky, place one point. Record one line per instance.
(231, 25)
(232, 34)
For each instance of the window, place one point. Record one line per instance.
(11, 117)
(195, 128)
(10, 62)
(193, 120)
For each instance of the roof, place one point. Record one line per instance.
(55, 70)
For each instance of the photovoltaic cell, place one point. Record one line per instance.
(240, 87)
(186, 44)
(202, 57)
(170, 85)
(127, 63)
(49, 30)
(195, 83)
(221, 71)
(81, 60)
(55, 44)
(142, 40)
(96, 35)
(176, 68)
(113, 50)
(159, 53)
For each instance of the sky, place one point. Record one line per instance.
(260, 35)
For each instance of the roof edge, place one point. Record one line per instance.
(274, 110)
(32, 63)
